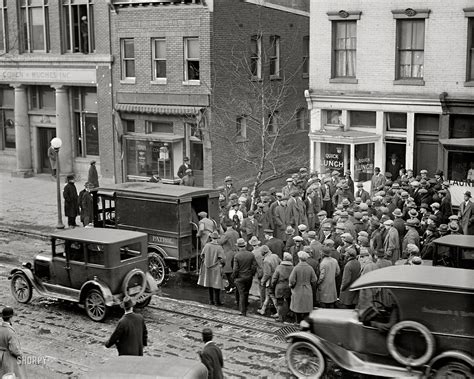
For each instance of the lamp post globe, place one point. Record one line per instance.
(56, 143)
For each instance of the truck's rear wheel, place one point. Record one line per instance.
(453, 369)
(157, 268)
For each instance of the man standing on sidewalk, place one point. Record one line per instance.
(245, 267)
(71, 202)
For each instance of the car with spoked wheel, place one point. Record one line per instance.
(420, 324)
(93, 267)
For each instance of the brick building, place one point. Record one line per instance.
(392, 78)
(55, 76)
(179, 91)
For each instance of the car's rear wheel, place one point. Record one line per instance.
(454, 370)
(158, 268)
(95, 305)
(305, 360)
(134, 288)
(21, 288)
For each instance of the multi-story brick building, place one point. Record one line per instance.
(55, 76)
(390, 78)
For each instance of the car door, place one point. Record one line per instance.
(59, 265)
(76, 264)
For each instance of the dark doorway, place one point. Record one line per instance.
(45, 135)
(397, 149)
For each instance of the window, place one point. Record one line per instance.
(59, 248)
(129, 126)
(241, 128)
(85, 120)
(305, 55)
(147, 158)
(410, 48)
(275, 56)
(256, 57)
(78, 26)
(159, 127)
(302, 121)
(364, 162)
(42, 97)
(7, 117)
(34, 25)
(363, 119)
(396, 121)
(461, 126)
(470, 49)
(95, 254)
(131, 251)
(273, 119)
(3, 26)
(191, 59)
(427, 124)
(344, 49)
(159, 58)
(128, 58)
(75, 251)
(334, 117)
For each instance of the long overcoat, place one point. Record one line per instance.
(392, 245)
(93, 176)
(228, 241)
(9, 351)
(466, 217)
(213, 258)
(281, 280)
(71, 200)
(328, 270)
(350, 274)
(52, 158)
(301, 279)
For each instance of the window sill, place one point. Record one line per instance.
(344, 80)
(128, 81)
(159, 81)
(255, 79)
(192, 83)
(469, 84)
(409, 82)
(275, 77)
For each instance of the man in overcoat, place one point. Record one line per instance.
(130, 335)
(276, 245)
(281, 286)
(391, 242)
(281, 219)
(52, 156)
(93, 176)
(411, 236)
(228, 241)
(10, 352)
(466, 214)
(350, 274)
(328, 270)
(301, 282)
(210, 275)
(71, 201)
(86, 205)
(205, 228)
(211, 356)
(244, 268)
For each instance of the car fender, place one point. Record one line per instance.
(448, 355)
(31, 277)
(151, 282)
(102, 287)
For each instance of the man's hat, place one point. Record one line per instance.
(344, 214)
(202, 214)
(347, 237)
(268, 231)
(453, 217)
(93, 162)
(83, 18)
(435, 205)
(289, 230)
(363, 233)
(127, 302)
(244, 189)
(326, 251)
(380, 253)
(228, 179)
(7, 312)
(214, 235)
(188, 170)
(289, 180)
(453, 226)
(358, 215)
(388, 174)
(443, 228)
(397, 213)
(377, 169)
(346, 202)
(411, 222)
(326, 226)
(396, 185)
(303, 169)
(433, 217)
(322, 213)
(241, 242)
(425, 206)
(415, 183)
(360, 184)
(424, 172)
(70, 177)
(335, 173)
(468, 194)
(363, 207)
(186, 159)
(279, 195)
(326, 179)
(405, 194)
(413, 213)
(388, 222)
(298, 239)
(431, 228)
(302, 227)
(341, 226)
(328, 242)
(311, 234)
(254, 241)
(264, 249)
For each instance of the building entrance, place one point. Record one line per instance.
(395, 158)
(45, 135)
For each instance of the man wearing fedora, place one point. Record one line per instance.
(86, 205)
(130, 335)
(10, 353)
(182, 169)
(466, 214)
(93, 176)
(211, 356)
(71, 201)
(394, 166)
(210, 275)
(411, 237)
(244, 268)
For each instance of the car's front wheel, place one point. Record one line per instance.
(453, 369)
(305, 360)
(21, 288)
(95, 305)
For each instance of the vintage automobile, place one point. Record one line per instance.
(166, 212)
(453, 251)
(423, 326)
(93, 267)
(125, 367)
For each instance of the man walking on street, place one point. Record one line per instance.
(211, 356)
(245, 267)
(130, 335)
(10, 353)
(210, 276)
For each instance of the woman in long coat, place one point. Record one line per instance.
(210, 275)
(301, 283)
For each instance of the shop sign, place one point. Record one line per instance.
(56, 75)
(457, 190)
(167, 241)
(365, 165)
(333, 161)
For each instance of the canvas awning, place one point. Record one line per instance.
(158, 109)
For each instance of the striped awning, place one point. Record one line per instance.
(158, 109)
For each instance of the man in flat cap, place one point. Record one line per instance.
(276, 245)
(228, 188)
(205, 228)
(211, 356)
(378, 179)
(228, 241)
(411, 236)
(188, 178)
(328, 271)
(10, 351)
(244, 268)
(301, 281)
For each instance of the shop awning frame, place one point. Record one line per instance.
(341, 137)
(458, 142)
(173, 110)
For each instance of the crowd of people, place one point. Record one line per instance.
(308, 242)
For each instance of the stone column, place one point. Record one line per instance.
(64, 129)
(22, 134)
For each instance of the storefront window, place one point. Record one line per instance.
(147, 158)
(364, 162)
(459, 164)
(7, 116)
(332, 158)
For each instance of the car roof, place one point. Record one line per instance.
(410, 276)
(125, 367)
(160, 190)
(98, 235)
(456, 240)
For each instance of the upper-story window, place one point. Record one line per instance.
(410, 48)
(241, 128)
(305, 56)
(128, 58)
(34, 24)
(191, 59)
(42, 97)
(275, 56)
(344, 49)
(159, 59)
(3, 26)
(256, 57)
(470, 49)
(7, 118)
(78, 26)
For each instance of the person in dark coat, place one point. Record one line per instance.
(362, 193)
(281, 286)
(93, 176)
(86, 205)
(52, 156)
(228, 241)
(130, 335)
(182, 169)
(210, 275)
(350, 274)
(211, 356)
(276, 245)
(244, 268)
(301, 283)
(71, 202)
(394, 166)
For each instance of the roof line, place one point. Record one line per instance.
(264, 3)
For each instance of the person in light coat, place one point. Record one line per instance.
(281, 286)
(391, 242)
(301, 283)
(205, 228)
(10, 352)
(328, 271)
(466, 214)
(210, 275)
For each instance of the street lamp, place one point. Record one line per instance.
(56, 143)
